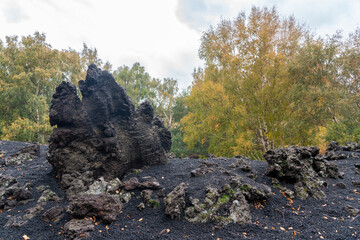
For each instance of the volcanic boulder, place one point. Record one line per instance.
(335, 151)
(79, 228)
(102, 133)
(104, 207)
(54, 214)
(302, 166)
(175, 201)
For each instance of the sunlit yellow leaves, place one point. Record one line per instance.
(210, 120)
(22, 129)
(25, 237)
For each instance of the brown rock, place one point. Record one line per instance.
(131, 184)
(15, 222)
(79, 227)
(151, 184)
(104, 207)
(54, 214)
(146, 195)
(26, 153)
(340, 185)
(33, 212)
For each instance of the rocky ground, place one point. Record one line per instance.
(215, 198)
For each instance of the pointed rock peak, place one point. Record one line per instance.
(102, 133)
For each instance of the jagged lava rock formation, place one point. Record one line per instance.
(302, 166)
(102, 134)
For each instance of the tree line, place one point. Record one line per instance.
(267, 82)
(30, 71)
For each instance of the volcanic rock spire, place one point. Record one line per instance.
(102, 133)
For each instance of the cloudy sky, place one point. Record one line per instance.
(163, 35)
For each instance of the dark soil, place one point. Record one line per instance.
(277, 218)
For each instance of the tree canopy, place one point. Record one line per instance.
(267, 82)
(141, 86)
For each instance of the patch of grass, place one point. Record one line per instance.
(245, 188)
(225, 199)
(153, 203)
(137, 171)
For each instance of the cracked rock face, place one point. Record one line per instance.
(103, 133)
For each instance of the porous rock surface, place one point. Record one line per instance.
(54, 214)
(175, 201)
(335, 151)
(79, 228)
(26, 153)
(104, 207)
(102, 133)
(234, 198)
(11, 193)
(302, 166)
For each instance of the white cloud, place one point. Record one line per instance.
(14, 13)
(163, 35)
(199, 15)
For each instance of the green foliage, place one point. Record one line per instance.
(245, 188)
(166, 91)
(345, 126)
(89, 56)
(180, 108)
(137, 82)
(267, 82)
(22, 129)
(344, 131)
(153, 203)
(224, 199)
(239, 103)
(30, 70)
(141, 86)
(178, 146)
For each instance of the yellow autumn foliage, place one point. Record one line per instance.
(266, 83)
(22, 129)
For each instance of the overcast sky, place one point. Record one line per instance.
(163, 35)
